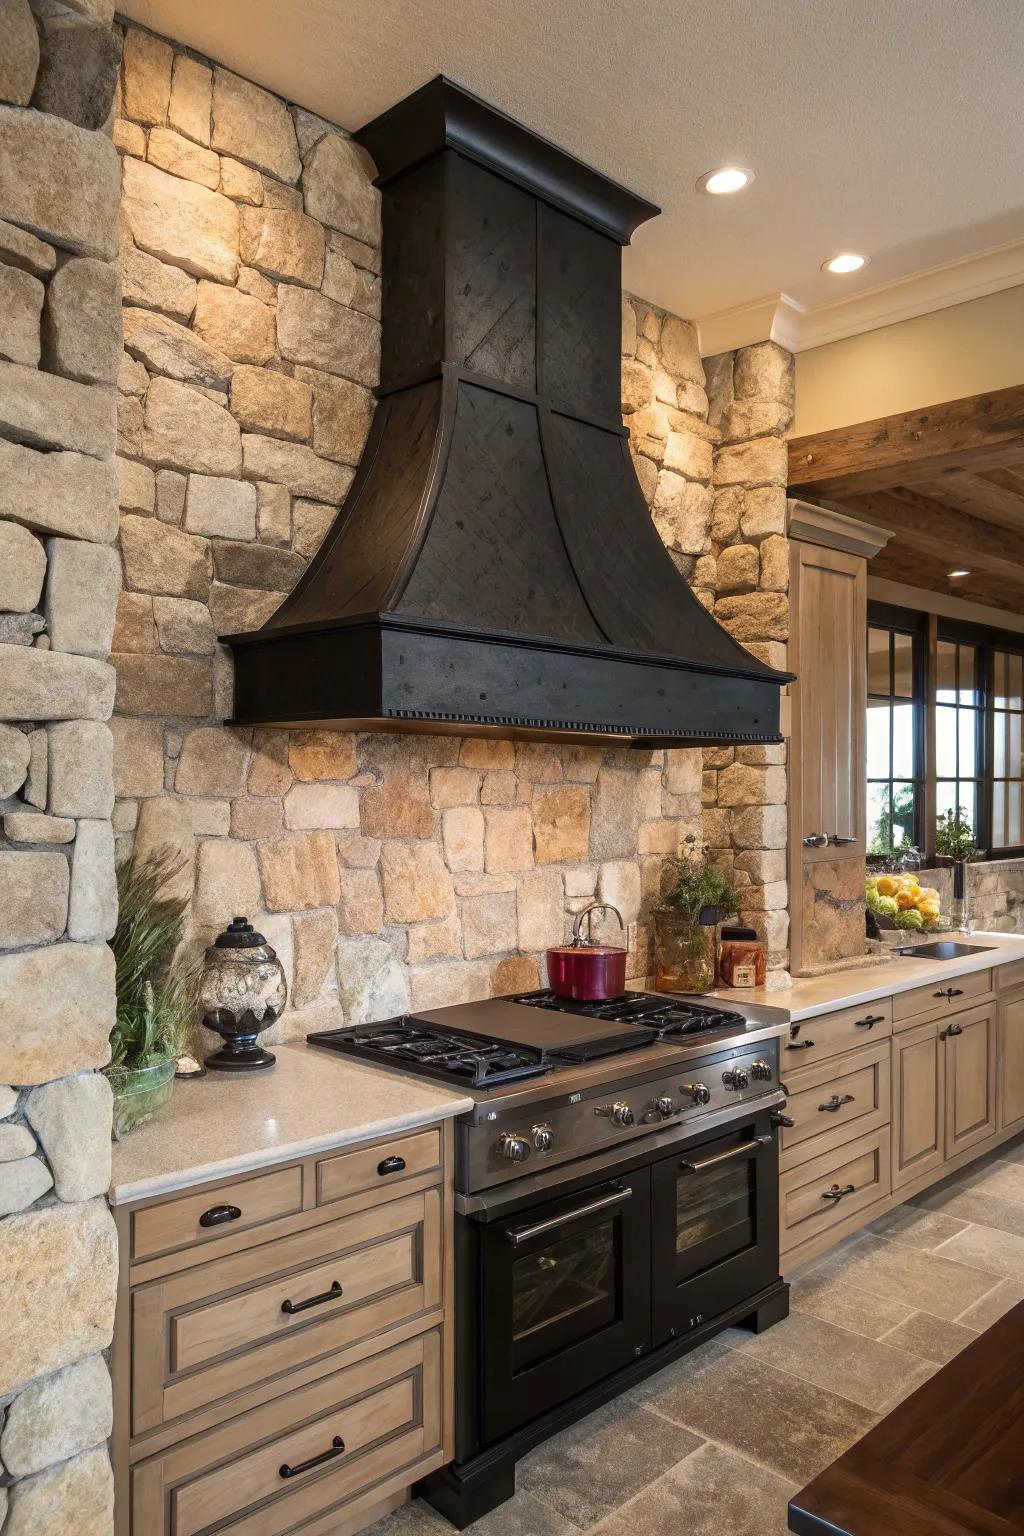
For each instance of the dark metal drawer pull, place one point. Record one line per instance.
(778, 1118)
(517, 1235)
(954, 1029)
(744, 1149)
(390, 1165)
(800, 1045)
(217, 1215)
(291, 1307)
(950, 992)
(835, 1193)
(870, 1022)
(337, 1449)
(836, 1102)
(841, 842)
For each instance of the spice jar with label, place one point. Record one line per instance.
(741, 958)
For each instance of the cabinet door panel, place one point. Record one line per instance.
(918, 1103)
(1011, 1061)
(970, 1080)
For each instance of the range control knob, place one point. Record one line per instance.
(665, 1106)
(618, 1113)
(515, 1148)
(700, 1093)
(543, 1138)
(761, 1071)
(735, 1077)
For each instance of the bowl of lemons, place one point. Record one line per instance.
(901, 901)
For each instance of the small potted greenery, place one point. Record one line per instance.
(696, 896)
(954, 843)
(157, 990)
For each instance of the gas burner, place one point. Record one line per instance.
(477, 1062)
(665, 1017)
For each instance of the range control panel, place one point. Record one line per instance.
(522, 1139)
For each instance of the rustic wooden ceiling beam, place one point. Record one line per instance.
(979, 432)
(923, 523)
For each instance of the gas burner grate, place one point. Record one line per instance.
(665, 1017)
(476, 1062)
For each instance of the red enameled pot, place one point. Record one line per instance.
(587, 972)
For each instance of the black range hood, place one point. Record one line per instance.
(494, 567)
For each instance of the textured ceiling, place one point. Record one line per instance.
(891, 127)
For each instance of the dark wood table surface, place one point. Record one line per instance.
(949, 1461)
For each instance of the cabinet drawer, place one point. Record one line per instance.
(385, 1165)
(223, 1327)
(842, 1097)
(1010, 976)
(858, 1172)
(179, 1222)
(833, 1033)
(310, 1450)
(940, 997)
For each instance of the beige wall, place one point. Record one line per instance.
(947, 355)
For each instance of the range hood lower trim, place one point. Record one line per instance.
(397, 677)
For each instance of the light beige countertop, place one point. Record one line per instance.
(226, 1123)
(809, 996)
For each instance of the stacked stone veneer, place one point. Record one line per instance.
(995, 894)
(60, 351)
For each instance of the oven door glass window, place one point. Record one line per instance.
(715, 1228)
(565, 1297)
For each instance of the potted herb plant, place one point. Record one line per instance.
(696, 896)
(157, 990)
(954, 842)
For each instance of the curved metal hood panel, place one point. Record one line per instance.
(495, 566)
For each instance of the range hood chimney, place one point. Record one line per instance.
(494, 567)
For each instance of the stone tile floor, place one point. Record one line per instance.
(716, 1444)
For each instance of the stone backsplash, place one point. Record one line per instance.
(995, 893)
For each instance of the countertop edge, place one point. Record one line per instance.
(249, 1162)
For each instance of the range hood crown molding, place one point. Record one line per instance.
(495, 567)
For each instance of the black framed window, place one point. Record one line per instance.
(1007, 761)
(959, 731)
(895, 800)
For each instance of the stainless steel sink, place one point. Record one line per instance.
(944, 949)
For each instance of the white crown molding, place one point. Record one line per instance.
(780, 318)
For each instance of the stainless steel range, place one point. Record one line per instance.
(616, 1202)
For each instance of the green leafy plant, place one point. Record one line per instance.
(691, 884)
(954, 837)
(157, 989)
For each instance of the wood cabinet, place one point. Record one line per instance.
(971, 1048)
(918, 1102)
(282, 1352)
(1010, 1061)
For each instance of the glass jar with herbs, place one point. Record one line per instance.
(696, 896)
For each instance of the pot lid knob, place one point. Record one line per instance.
(239, 934)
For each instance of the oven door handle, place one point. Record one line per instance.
(517, 1235)
(745, 1148)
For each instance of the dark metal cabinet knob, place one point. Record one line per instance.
(735, 1077)
(761, 1071)
(700, 1093)
(219, 1215)
(954, 1029)
(515, 1148)
(543, 1138)
(786, 1121)
(391, 1165)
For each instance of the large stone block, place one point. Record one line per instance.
(136, 486)
(75, 1498)
(337, 189)
(19, 57)
(617, 812)
(220, 507)
(138, 757)
(45, 411)
(295, 465)
(334, 806)
(316, 755)
(416, 883)
(72, 1119)
(61, 1415)
(256, 565)
(181, 223)
(240, 610)
(20, 249)
(161, 559)
(508, 844)
(92, 910)
(166, 824)
(755, 616)
(283, 244)
(21, 1184)
(184, 430)
(314, 938)
(299, 871)
(151, 283)
(561, 815)
(541, 904)
(310, 522)
(252, 125)
(765, 371)
(147, 76)
(178, 155)
(14, 759)
(22, 568)
(59, 181)
(679, 349)
(212, 762)
(56, 1014)
(265, 401)
(227, 881)
(371, 983)
(191, 98)
(21, 305)
(163, 685)
(682, 513)
(342, 413)
(361, 909)
(172, 349)
(315, 331)
(52, 685)
(81, 769)
(763, 461)
(81, 597)
(77, 69)
(236, 323)
(34, 909)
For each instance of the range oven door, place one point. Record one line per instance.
(714, 1225)
(565, 1297)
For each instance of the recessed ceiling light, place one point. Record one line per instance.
(953, 574)
(846, 261)
(729, 178)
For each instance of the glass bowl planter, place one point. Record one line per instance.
(684, 951)
(139, 1092)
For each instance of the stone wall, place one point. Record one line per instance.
(995, 894)
(59, 577)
